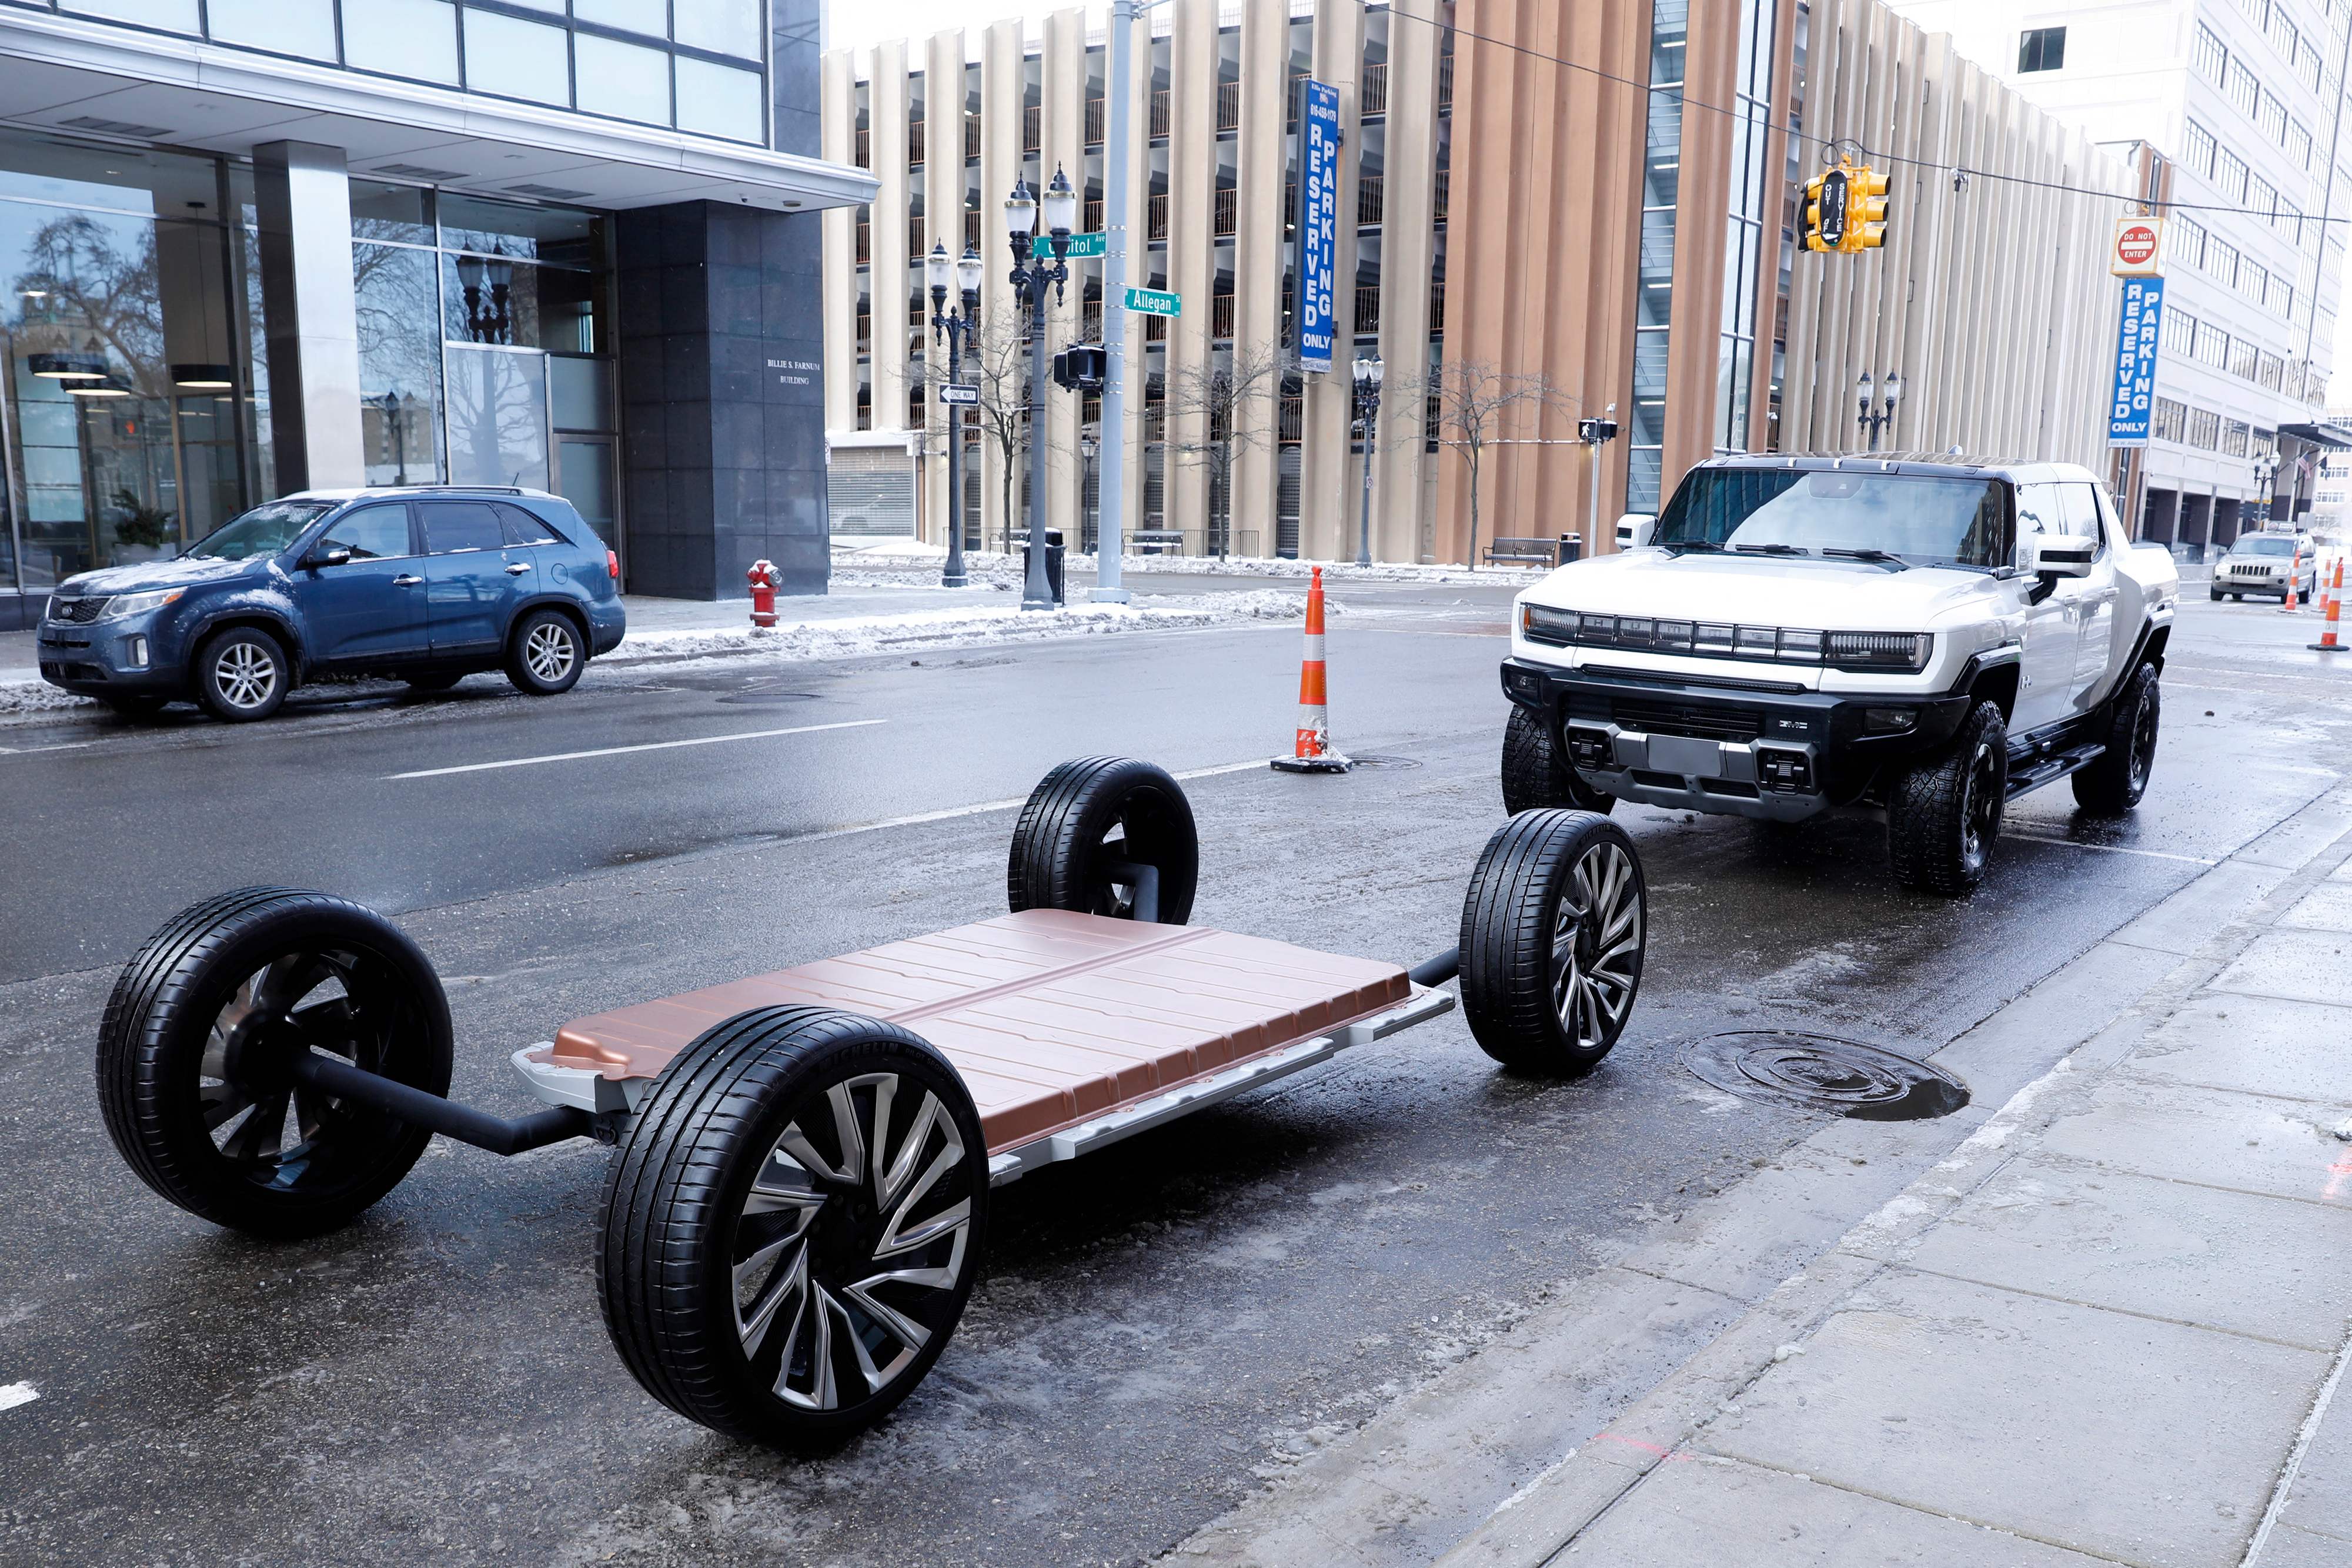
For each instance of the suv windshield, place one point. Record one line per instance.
(2250, 545)
(1919, 519)
(265, 530)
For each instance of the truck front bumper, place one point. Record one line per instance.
(1748, 749)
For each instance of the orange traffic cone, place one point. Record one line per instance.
(2328, 642)
(1312, 752)
(2294, 565)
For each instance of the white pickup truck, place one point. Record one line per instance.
(1923, 637)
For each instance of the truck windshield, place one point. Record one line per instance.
(265, 530)
(1919, 519)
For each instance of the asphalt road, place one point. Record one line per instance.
(1164, 1326)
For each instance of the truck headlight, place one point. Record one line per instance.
(124, 604)
(1905, 650)
(1542, 623)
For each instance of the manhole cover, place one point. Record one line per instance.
(1867, 1083)
(765, 696)
(1378, 761)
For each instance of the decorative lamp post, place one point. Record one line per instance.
(393, 407)
(1088, 447)
(956, 331)
(487, 321)
(1030, 273)
(1875, 420)
(2266, 467)
(1368, 415)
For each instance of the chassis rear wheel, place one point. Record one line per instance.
(1943, 815)
(793, 1224)
(1554, 927)
(1535, 775)
(194, 1053)
(1089, 814)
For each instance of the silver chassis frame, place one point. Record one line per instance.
(593, 1092)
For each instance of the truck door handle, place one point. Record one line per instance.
(406, 580)
(517, 568)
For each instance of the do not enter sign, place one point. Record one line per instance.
(2139, 245)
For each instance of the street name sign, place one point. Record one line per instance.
(1154, 302)
(1318, 209)
(2138, 248)
(956, 392)
(2136, 347)
(1042, 248)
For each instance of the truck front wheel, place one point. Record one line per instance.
(1943, 813)
(1537, 777)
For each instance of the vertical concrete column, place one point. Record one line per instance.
(1257, 256)
(1116, 317)
(838, 140)
(1191, 236)
(943, 209)
(1063, 143)
(1004, 96)
(886, 119)
(1328, 478)
(303, 200)
(1402, 525)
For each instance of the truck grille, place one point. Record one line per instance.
(1698, 723)
(80, 612)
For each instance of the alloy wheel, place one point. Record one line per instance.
(1979, 804)
(851, 1242)
(278, 1133)
(549, 651)
(1595, 943)
(2143, 744)
(246, 674)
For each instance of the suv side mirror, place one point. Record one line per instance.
(334, 555)
(2051, 556)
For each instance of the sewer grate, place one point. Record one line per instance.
(1867, 1083)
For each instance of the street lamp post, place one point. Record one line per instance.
(1874, 420)
(1368, 415)
(487, 321)
(2266, 467)
(395, 436)
(956, 331)
(1030, 273)
(1088, 447)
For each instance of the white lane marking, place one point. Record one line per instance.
(2107, 848)
(624, 750)
(984, 807)
(18, 1394)
(36, 751)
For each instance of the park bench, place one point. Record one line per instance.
(1535, 551)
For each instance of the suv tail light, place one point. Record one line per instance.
(613, 565)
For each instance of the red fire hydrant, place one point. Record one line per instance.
(763, 592)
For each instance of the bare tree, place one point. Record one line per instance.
(998, 364)
(1203, 405)
(1477, 404)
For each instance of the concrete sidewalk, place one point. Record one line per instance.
(2110, 1327)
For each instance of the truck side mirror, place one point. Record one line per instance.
(1636, 529)
(2053, 556)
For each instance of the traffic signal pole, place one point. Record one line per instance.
(1111, 544)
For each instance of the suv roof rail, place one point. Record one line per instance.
(477, 489)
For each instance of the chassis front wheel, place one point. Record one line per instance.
(196, 1050)
(793, 1224)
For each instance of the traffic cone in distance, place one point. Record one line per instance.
(1312, 751)
(2328, 642)
(2294, 565)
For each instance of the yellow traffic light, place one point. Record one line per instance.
(1865, 226)
(1809, 217)
(1827, 204)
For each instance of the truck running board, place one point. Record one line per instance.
(2056, 766)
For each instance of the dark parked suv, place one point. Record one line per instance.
(425, 585)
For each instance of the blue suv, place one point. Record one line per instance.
(425, 585)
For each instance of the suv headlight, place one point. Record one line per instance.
(1544, 624)
(1905, 650)
(124, 604)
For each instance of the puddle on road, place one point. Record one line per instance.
(1867, 1083)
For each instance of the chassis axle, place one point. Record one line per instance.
(445, 1117)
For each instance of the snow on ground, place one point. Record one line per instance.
(975, 625)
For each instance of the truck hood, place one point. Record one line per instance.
(141, 576)
(1830, 595)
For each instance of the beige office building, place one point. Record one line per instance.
(1589, 211)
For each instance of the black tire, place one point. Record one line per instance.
(1536, 776)
(545, 653)
(1554, 925)
(192, 1054)
(1092, 810)
(1943, 815)
(242, 675)
(2114, 783)
(142, 708)
(680, 1222)
(2217, 596)
(439, 681)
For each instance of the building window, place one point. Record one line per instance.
(2171, 420)
(2204, 429)
(2198, 152)
(1654, 275)
(2208, 56)
(1743, 241)
(2041, 49)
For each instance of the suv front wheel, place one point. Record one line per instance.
(1943, 814)
(242, 675)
